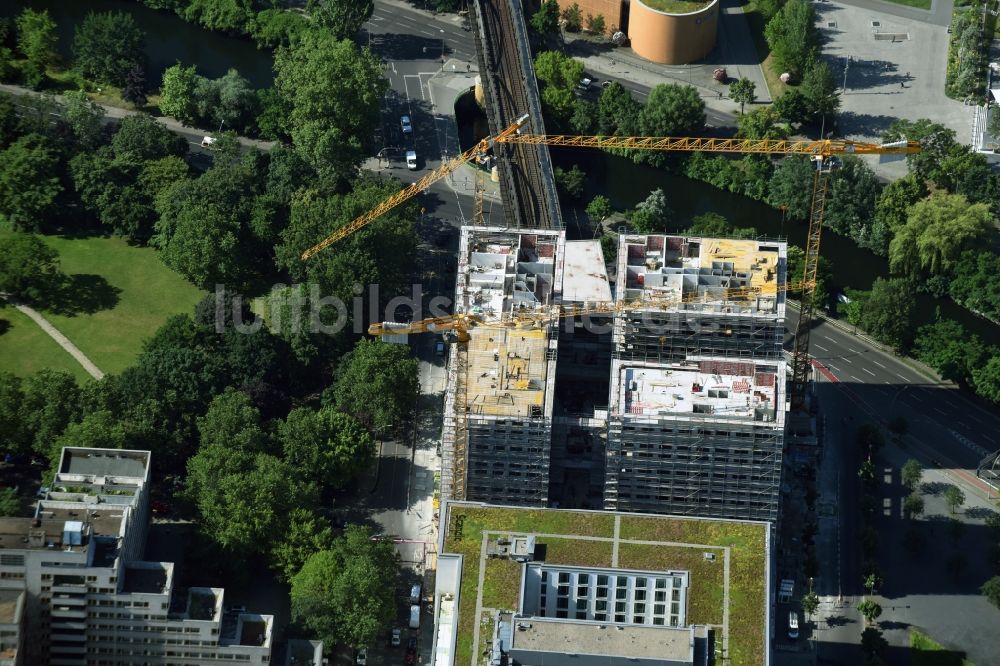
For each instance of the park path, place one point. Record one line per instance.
(56, 335)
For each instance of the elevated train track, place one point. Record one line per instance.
(526, 174)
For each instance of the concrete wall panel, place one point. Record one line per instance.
(672, 39)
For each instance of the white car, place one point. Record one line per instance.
(404, 121)
(793, 624)
(397, 637)
(362, 658)
(585, 84)
(411, 160)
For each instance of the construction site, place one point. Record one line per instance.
(670, 398)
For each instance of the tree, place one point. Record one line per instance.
(573, 18)
(559, 75)
(177, 93)
(618, 112)
(809, 603)
(991, 590)
(146, 139)
(244, 497)
(376, 383)
(585, 117)
(870, 609)
(107, 46)
(993, 522)
(347, 594)
(29, 268)
(599, 208)
(343, 18)
(546, 20)
(710, 224)
(653, 214)
(986, 378)
(232, 421)
(898, 426)
(937, 142)
(793, 37)
(672, 110)
(134, 90)
(237, 102)
(791, 186)
(29, 182)
(742, 91)
(36, 39)
(954, 498)
(866, 472)
(762, 123)
(571, 182)
(851, 198)
(792, 106)
(16, 439)
(10, 503)
(51, 402)
(911, 473)
(596, 24)
(870, 582)
(820, 90)
(870, 438)
(888, 312)
(330, 447)
(947, 347)
(85, 118)
(6, 55)
(872, 642)
(335, 91)
(891, 208)
(307, 533)
(937, 231)
(913, 506)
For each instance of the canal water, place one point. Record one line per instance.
(626, 183)
(168, 39)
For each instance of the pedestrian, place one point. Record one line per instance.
(907, 75)
(468, 67)
(720, 94)
(902, 85)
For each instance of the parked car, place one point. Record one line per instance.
(404, 121)
(415, 616)
(439, 348)
(207, 141)
(793, 624)
(361, 659)
(411, 160)
(397, 637)
(585, 83)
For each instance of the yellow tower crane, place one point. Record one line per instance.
(824, 153)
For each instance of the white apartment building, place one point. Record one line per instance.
(89, 600)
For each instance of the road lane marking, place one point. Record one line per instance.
(854, 351)
(879, 364)
(988, 437)
(973, 417)
(940, 411)
(848, 360)
(901, 377)
(820, 347)
(868, 371)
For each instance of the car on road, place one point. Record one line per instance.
(584, 84)
(404, 122)
(439, 348)
(793, 624)
(411, 160)
(397, 637)
(207, 141)
(361, 659)
(411, 650)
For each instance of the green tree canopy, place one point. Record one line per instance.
(29, 268)
(618, 112)
(672, 110)
(146, 139)
(343, 18)
(16, 439)
(306, 534)
(937, 231)
(51, 402)
(911, 473)
(177, 93)
(820, 90)
(36, 39)
(599, 208)
(913, 505)
(347, 594)
(954, 498)
(232, 421)
(762, 123)
(991, 590)
(335, 90)
(888, 312)
(870, 609)
(653, 214)
(10, 503)
(851, 198)
(134, 90)
(559, 75)
(791, 186)
(377, 384)
(328, 446)
(891, 208)
(29, 182)
(571, 182)
(85, 118)
(793, 37)
(573, 18)
(107, 46)
(743, 92)
(546, 20)
(986, 377)
(936, 143)
(947, 347)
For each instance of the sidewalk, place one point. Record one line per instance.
(56, 335)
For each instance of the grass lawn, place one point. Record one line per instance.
(501, 584)
(577, 552)
(919, 4)
(121, 295)
(747, 593)
(707, 578)
(26, 349)
(927, 652)
(675, 6)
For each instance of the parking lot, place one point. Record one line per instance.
(889, 67)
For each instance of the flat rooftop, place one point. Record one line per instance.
(9, 600)
(47, 530)
(595, 638)
(585, 279)
(732, 274)
(500, 274)
(710, 388)
(104, 462)
(151, 580)
(640, 542)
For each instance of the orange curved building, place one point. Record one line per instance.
(672, 39)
